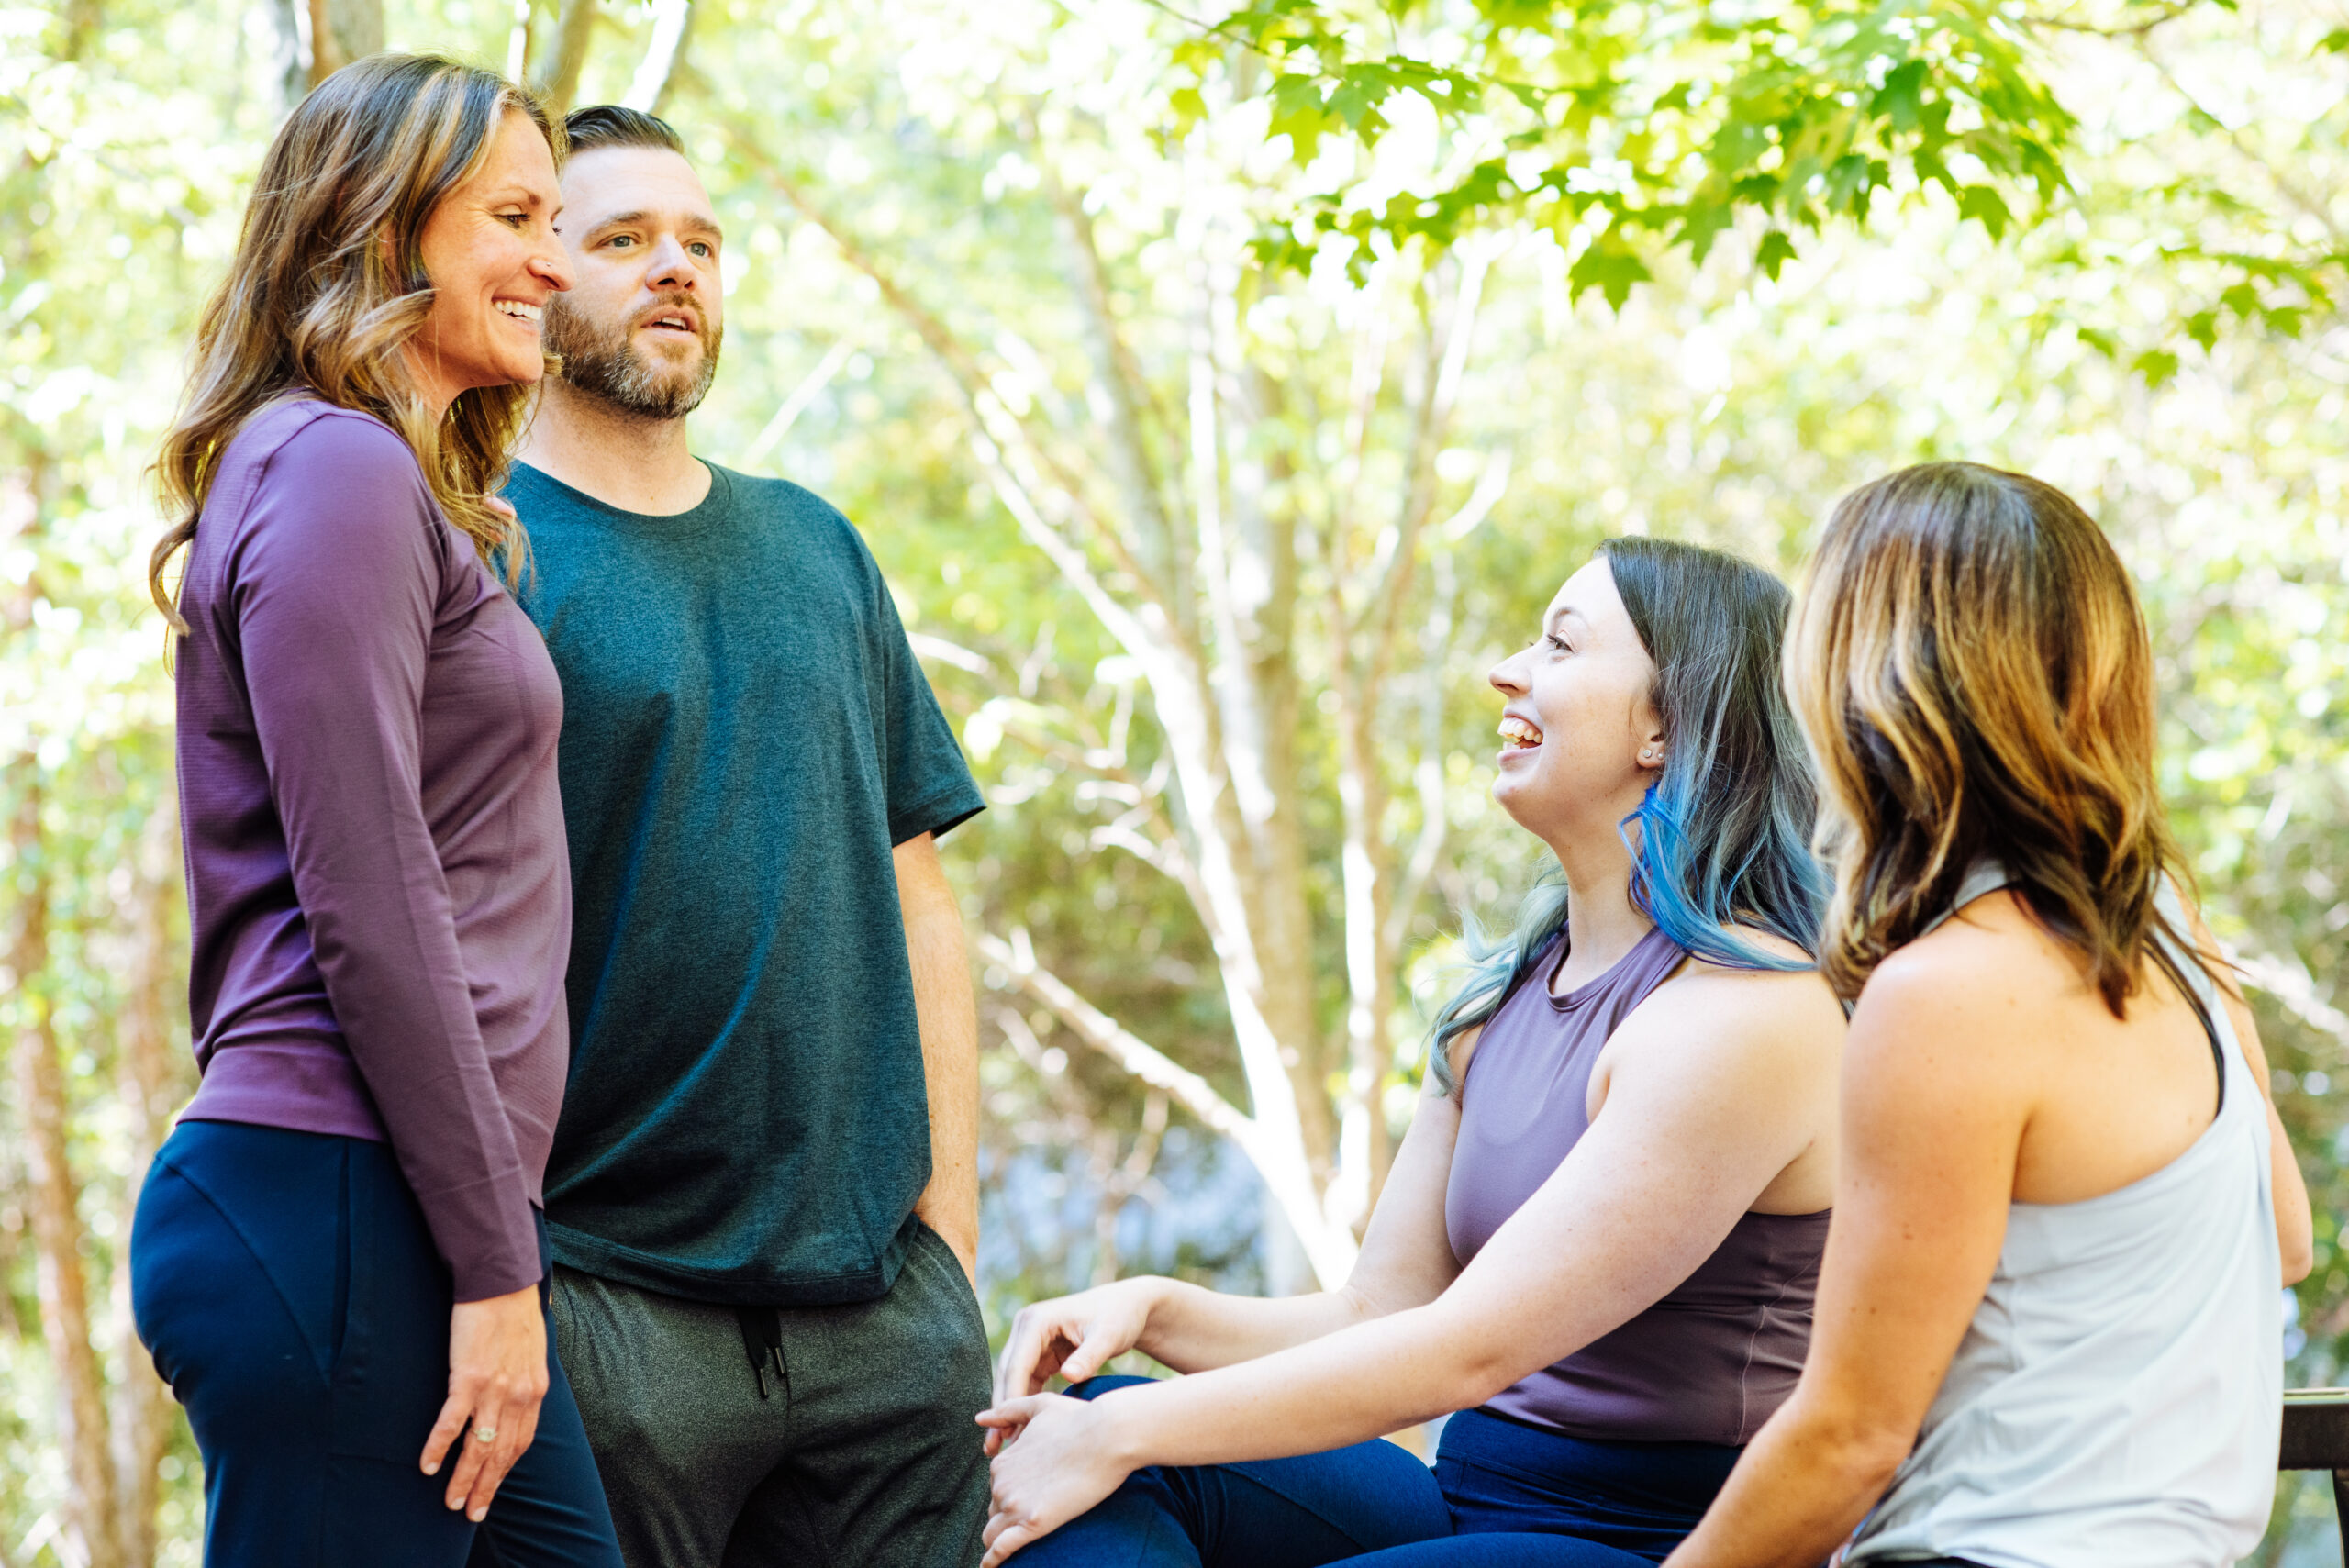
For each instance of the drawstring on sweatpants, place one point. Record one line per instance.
(762, 1342)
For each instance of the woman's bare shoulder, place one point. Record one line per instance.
(1783, 1017)
(1992, 943)
(1767, 998)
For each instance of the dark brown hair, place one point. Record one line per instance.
(1971, 668)
(615, 125)
(315, 298)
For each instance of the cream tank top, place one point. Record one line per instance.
(2118, 1398)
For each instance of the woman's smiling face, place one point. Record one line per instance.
(1581, 738)
(491, 252)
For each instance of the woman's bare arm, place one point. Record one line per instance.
(2295, 1228)
(1406, 1261)
(1733, 1082)
(1931, 1132)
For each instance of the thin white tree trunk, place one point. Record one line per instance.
(648, 89)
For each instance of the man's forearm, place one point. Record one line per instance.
(949, 1047)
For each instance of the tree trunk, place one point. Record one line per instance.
(656, 75)
(50, 1189)
(342, 31)
(289, 26)
(83, 20)
(574, 31)
(520, 41)
(153, 1078)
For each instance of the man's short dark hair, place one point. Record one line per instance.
(612, 125)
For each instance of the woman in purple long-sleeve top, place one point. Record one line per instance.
(338, 1260)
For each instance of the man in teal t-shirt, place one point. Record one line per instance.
(762, 1192)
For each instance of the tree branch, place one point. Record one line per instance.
(811, 387)
(1363, 387)
(2167, 14)
(1267, 1138)
(2290, 187)
(1115, 369)
(1382, 606)
(1010, 435)
(1104, 1034)
(2294, 989)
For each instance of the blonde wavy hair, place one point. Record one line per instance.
(328, 283)
(1970, 665)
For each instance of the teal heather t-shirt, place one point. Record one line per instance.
(746, 735)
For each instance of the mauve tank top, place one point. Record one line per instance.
(1720, 1352)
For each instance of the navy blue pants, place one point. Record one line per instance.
(1501, 1495)
(291, 1296)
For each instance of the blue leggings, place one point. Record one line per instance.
(291, 1296)
(1502, 1496)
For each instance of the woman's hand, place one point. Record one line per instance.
(498, 1375)
(1072, 1337)
(1063, 1462)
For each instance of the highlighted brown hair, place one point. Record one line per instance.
(328, 282)
(1970, 665)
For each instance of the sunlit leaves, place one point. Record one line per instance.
(1673, 118)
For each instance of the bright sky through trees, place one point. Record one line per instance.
(1222, 390)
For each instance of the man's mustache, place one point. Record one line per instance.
(679, 304)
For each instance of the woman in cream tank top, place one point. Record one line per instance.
(2048, 1329)
(2104, 1405)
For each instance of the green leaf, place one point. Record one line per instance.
(2156, 365)
(1982, 202)
(2284, 319)
(1610, 269)
(1701, 222)
(2203, 328)
(1356, 102)
(1298, 114)
(1901, 99)
(1775, 251)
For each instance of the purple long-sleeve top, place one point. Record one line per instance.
(378, 881)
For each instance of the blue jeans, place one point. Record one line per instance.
(1502, 1494)
(290, 1294)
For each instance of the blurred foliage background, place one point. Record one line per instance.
(1222, 390)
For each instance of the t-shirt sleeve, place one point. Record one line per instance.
(929, 786)
(333, 586)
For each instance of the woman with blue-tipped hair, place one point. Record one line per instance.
(1600, 1237)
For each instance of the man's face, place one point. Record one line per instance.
(640, 325)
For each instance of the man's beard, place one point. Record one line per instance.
(605, 363)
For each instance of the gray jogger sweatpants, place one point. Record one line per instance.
(860, 1451)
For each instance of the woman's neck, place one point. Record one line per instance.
(1603, 924)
